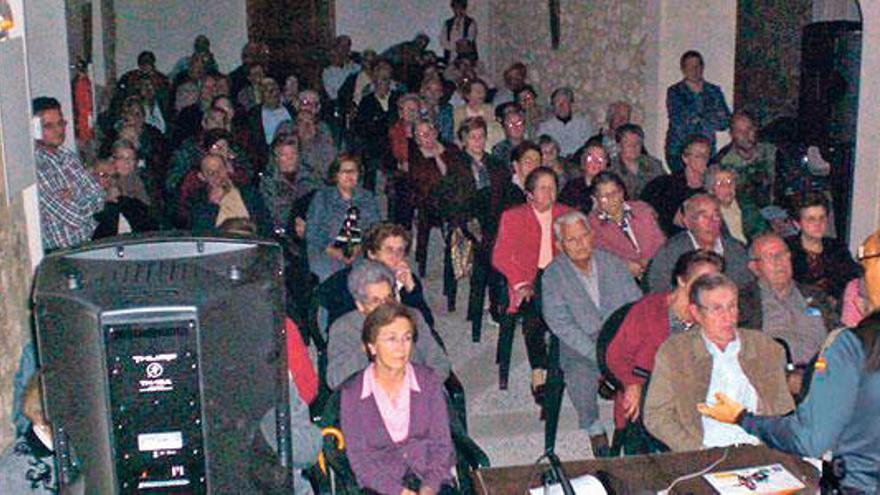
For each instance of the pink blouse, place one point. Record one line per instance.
(395, 413)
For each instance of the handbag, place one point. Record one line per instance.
(461, 249)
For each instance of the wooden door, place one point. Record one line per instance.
(298, 33)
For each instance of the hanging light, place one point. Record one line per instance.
(6, 22)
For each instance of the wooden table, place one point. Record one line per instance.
(647, 473)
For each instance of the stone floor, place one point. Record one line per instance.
(505, 423)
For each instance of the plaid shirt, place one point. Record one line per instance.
(69, 196)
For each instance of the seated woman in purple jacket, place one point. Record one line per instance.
(394, 413)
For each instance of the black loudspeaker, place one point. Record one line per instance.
(829, 103)
(160, 356)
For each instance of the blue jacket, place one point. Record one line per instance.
(324, 219)
(841, 413)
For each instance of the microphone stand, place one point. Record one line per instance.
(556, 468)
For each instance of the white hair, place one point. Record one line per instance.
(569, 218)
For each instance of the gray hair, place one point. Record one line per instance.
(709, 282)
(688, 206)
(713, 171)
(609, 112)
(367, 273)
(762, 239)
(569, 218)
(564, 91)
(297, 104)
(407, 98)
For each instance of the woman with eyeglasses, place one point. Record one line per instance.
(338, 216)
(394, 414)
(578, 192)
(627, 229)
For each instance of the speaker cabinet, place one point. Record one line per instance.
(160, 356)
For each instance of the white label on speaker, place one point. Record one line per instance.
(172, 440)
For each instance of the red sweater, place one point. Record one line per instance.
(645, 327)
(518, 246)
(299, 364)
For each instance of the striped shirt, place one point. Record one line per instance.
(68, 197)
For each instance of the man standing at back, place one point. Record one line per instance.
(68, 195)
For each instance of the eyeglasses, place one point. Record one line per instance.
(610, 196)
(725, 182)
(516, 123)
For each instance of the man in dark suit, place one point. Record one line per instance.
(263, 120)
(580, 289)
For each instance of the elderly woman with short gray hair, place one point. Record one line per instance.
(371, 284)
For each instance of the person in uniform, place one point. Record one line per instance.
(847, 375)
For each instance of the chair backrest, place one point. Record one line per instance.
(606, 335)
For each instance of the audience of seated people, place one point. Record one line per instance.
(690, 367)
(304, 165)
(647, 324)
(371, 284)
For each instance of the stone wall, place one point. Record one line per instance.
(600, 55)
(768, 56)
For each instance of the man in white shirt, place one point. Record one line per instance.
(691, 367)
(570, 131)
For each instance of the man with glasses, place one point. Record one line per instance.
(371, 283)
(514, 123)
(702, 220)
(691, 367)
(775, 304)
(68, 194)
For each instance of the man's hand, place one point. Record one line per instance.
(725, 409)
(523, 294)
(113, 194)
(299, 226)
(635, 268)
(426, 490)
(216, 194)
(632, 398)
(335, 253)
